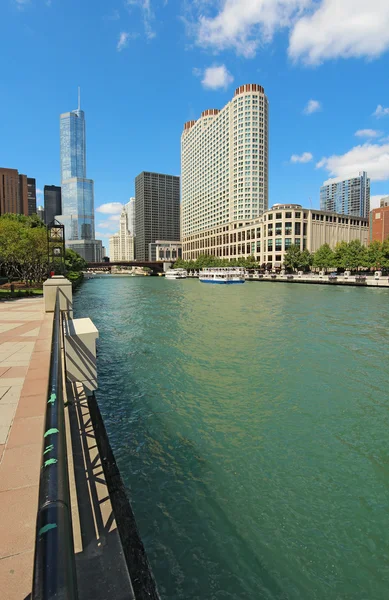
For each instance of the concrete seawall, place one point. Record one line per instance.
(352, 280)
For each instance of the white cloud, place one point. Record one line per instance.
(375, 200)
(380, 111)
(216, 77)
(341, 29)
(110, 208)
(301, 158)
(39, 192)
(369, 133)
(312, 107)
(123, 41)
(197, 72)
(147, 14)
(373, 158)
(104, 234)
(245, 24)
(319, 29)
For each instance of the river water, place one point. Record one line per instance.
(250, 425)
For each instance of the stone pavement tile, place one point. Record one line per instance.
(31, 406)
(2, 446)
(20, 467)
(16, 575)
(10, 381)
(12, 395)
(25, 431)
(42, 345)
(32, 333)
(3, 370)
(37, 360)
(3, 391)
(40, 372)
(4, 430)
(35, 387)
(7, 412)
(8, 326)
(13, 372)
(17, 520)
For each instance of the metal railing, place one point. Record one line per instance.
(54, 562)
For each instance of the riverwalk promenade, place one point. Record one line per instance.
(25, 340)
(101, 567)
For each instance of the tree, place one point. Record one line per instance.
(324, 257)
(385, 254)
(23, 248)
(375, 255)
(292, 258)
(306, 260)
(74, 262)
(356, 255)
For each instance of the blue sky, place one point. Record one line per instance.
(147, 66)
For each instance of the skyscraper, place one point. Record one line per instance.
(13, 192)
(157, 210)
(121, 245)
(77, 191)
(130, 209)
(31, 195)
(224, 162)
(347, 196)
(53, 204)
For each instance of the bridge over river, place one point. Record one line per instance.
(157, 267)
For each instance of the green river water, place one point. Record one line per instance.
(250, 425)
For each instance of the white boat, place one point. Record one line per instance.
(222, 275)
(176, 274)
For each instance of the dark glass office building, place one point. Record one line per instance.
(31, 195)
(53, 204)
(157, 210)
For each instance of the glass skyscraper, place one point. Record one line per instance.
(347, 196)
(77, 191)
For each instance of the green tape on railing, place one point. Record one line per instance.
(52, 399)
(50, 432)
(47, 528)
(48, 449)
(50, 461)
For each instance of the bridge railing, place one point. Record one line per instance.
(54, 563)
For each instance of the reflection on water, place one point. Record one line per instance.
(250, 426)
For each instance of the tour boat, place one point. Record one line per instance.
(176, 274)
(222, 275)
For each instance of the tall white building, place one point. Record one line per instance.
(121, 245)
(224, 162)
(349, 196)
(130, 209)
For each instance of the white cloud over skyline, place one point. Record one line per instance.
(373, 158)
(319, 30)
(216, 77)
(110, 208)
(301, 158)
(369, 133)
(380, 111)
(123, 41)
(375, 200)
(312, 107)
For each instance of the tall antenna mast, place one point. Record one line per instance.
(79, 98)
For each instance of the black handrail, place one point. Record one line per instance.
(54, 562)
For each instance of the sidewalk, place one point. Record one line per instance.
(25, 342)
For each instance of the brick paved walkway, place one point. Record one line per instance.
(25, 342)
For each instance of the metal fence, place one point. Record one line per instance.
(54, 562)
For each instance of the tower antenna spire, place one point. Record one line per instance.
(79, 98)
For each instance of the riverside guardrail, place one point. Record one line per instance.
(54, 564)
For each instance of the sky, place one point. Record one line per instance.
(147, 66)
